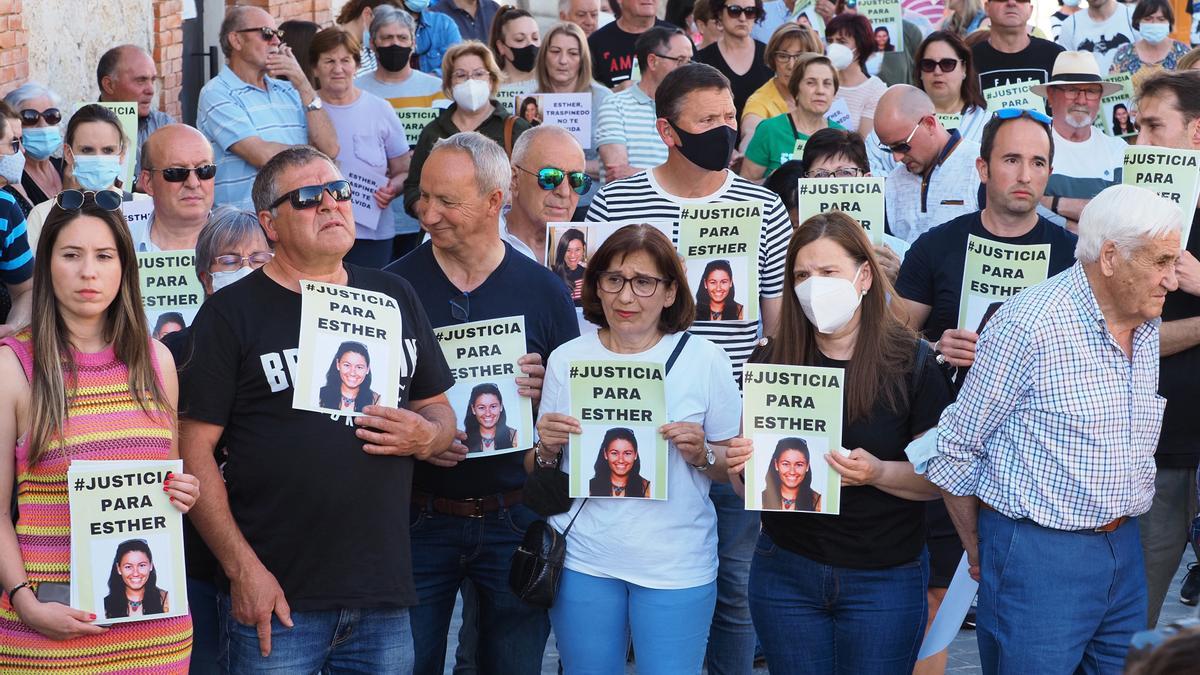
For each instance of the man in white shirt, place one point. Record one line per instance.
(582, 13)
(540, 156)
(1106, 25)
(177, 173)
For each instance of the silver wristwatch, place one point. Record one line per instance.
(314, 105)
(710, 458)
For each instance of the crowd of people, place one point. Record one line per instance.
(1049, 429)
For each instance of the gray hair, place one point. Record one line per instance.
(564, 6)
(492, 171)
(523, 143)
(30, 90)
(386, 15)
(264, 192)
(231, 23)
(226, 227)
(1126, 215)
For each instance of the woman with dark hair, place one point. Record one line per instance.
(1154, 50)
(569, 262)
(738, 56)
(714, 295)
(851, 43)
(515, 39)
(88, 335)
(486, 421)
(883, 40)
(348, 380)
(167, 323)
(298, 34)
(133, 583)
(874, 551)
(1122, 122)
(618, 467)
(789, 478)
(529, 111)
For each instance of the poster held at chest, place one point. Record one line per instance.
(859, 198)
(126, 541)
(572, 112)
(620, 405)
(793, 414)
(719, 245)
(1173, 174)
(483, 356)
(350, 350)
(1014, 96)
(171, 291)
(885, 16)
(994, 272)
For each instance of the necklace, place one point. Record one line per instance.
(714, 316)
(347, 401)
(789, 504)
(134, 605)
(618, 490)
(488, 442)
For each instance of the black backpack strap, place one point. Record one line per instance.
(677, 351)
(918, 372)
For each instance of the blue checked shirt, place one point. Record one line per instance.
(232, 110)
(1054, 423)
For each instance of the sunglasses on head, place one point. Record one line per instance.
(264, 32)
(930, 65)
(1014, 113)
(29, 116)
(73, 200)
(178, 174)
(549, 178)
(310, 196)
(737, 10)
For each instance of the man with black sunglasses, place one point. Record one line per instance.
(547, 179)
(260, 104)
(177, 173)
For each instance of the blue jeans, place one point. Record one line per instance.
(814, 618)
(731, 638)
(206, 626)
(330, 641)
(593, 618)
(1052, 601)
(446, 549)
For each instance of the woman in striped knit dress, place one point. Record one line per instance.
(84, 383)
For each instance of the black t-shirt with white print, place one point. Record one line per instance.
(329, 520)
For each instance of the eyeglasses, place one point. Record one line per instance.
(310, 196)
(73, 200)
(903, 146)
(643, 286)
(843, 172)
(29, 116)
(1014, 113)
(549, 178)
(265, 32)
(234, 262)
(460, 307)
(461, 75)
(1076, 92)
(737, 10)
(679, 60)
(930, 65)
(788, 57)
(178, 174)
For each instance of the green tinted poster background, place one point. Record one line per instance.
(1173, 174)
(727, 231)
(859, 198)
(994, 272)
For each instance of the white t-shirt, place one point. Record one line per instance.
(1083, 33)
(669, 544)
(861, 99)
(775, 14)
(1082, 170)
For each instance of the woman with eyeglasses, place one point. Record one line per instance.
(814, 85)
(40, 115)
(230, 247)
(738, 56)
(851, 43)
(370, 140)
(514, 41)
(12, 159)
(471, 77)
(873, 553)
(88, 335)
(642, 567)
(788, 43)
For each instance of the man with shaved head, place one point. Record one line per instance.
(177, 173)
(126, 73)
(935, 179)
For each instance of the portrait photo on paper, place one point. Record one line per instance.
(625, 462)
(348, 386)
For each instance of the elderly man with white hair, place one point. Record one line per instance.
(548, 177)
(1047, 458)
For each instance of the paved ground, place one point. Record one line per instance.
(964, 656)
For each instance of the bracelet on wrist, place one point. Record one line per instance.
(545, 464)
(16, 589)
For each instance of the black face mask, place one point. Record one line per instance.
(393, 58)
(524, 57)
(710, 150)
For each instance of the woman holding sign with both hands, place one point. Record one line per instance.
(657, 579)
(88, 335)
(874, 550)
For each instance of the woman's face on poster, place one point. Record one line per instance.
(792, 467)
(353, 369)
(574, 254)
(1122, 115)
(620, 455)
(135, 568)
(487, 409)
(718, 283)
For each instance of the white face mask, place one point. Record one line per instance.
(839, 55)
(12, 167)
(829, 302)
(222, 279)
(471, 95)
(1155, 33)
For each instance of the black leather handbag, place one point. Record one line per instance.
(537, 564)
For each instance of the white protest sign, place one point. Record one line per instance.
(364, 181)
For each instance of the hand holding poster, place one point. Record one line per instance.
(349, 355)
(859, 198)
(483, 358)
(415, 120)
(620, 405)
(364, 181)
(171, 291)
(126, 541)
(1014, 96)
(1173, 174)
(793, 414)
(719, 244)
(994, 272)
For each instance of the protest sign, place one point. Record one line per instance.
(138, 214)
(719, 245)
(620, 405)
(171, 291)
(517, 91)
(1173, 174)
(572, 112)
(568, 247)
(126, 541)
(885, 15)
(1116, 109)
(350, 350)
(950, 121)
(127, 113)
(793, 415)
(364, 181)
(483, 358)
(994, 272)
(415, 120)
(1014, 96)
(859, 198)
(838, 113)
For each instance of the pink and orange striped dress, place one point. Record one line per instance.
(104, 422)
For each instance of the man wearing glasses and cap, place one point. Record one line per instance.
(259, 104)
(1086, 160)
(473, 513)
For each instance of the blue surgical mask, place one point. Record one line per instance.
(12, 167)
(41, 142)
(417, 6)
(1155, 33)
(97, 172)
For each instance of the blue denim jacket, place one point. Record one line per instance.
(435, 33)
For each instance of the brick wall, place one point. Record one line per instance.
(167, 52)
(282, 10)
(14, 54)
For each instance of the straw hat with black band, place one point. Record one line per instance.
(1076, 68)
